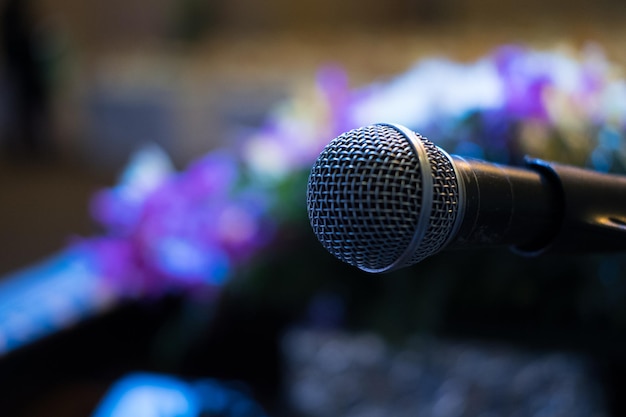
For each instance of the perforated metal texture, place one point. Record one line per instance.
(365, 196)
(445, 204)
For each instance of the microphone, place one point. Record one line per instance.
(383, 197)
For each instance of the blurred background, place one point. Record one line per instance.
(84, 85)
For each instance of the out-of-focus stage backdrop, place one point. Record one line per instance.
(153, 226)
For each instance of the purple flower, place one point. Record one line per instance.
(118, 263)
(119, 208)
(187, 230)
(333, 84)
(213, 175)
(525, 79)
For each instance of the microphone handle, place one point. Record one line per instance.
(505, 205)
(593, 208)
(543, 207)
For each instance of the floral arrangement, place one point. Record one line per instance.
(192, 229)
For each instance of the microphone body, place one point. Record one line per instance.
(504, 205)
(541, 207)
(382, 198)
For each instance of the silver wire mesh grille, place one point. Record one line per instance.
(445, 203)
(364, 198)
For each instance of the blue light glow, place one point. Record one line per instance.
(148, 395)
(154, 395)
(48, 297)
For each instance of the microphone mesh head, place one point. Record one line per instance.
(368, 197)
